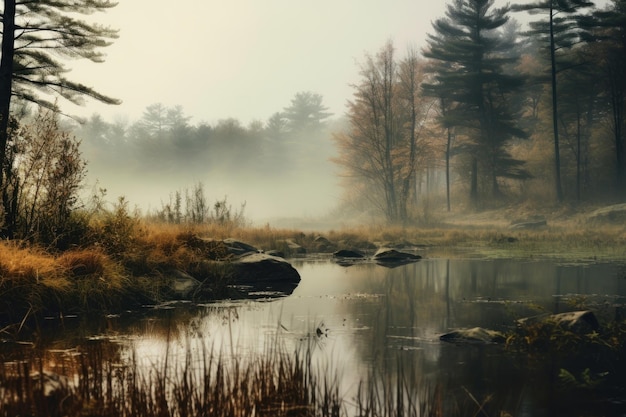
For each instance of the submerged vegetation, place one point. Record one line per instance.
(92, 383)
(108, 377)
(93, 380)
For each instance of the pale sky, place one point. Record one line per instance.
(245, 58)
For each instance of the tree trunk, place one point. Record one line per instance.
(448, 151)
(617, 108)
(578, 156)
(6, 74)
(555, 124)
(6, 87)
(474, 182)
(406, 181)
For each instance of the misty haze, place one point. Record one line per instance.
(339, 209)
(281, 169)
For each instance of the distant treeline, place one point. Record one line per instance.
(164, 143)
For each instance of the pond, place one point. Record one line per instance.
(370, 321)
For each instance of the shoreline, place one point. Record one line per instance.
(36, 282)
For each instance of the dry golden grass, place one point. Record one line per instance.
(93, 263)
(33, 281)
(28, 265)
(568, 236)
(98, 276)
(163, 246)
(29, 279)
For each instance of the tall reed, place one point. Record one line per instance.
(95, 381)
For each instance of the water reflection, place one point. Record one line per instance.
(368, 321)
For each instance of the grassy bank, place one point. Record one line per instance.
(125, 262)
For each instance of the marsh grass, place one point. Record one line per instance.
(125, 261)
(93, 380)
(570, 239)
(34, 282)
(94, 383)
(28, 277)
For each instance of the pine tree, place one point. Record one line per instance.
(306, 113)
(35, 34)
(560, 33)
(606, 31)
(469, 54)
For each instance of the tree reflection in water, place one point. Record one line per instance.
(373, 329)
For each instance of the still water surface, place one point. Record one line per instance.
(367, 320)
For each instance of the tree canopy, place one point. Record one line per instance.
(469, 56)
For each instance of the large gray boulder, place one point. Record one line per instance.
(263, 272)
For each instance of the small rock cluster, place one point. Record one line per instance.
(254, 271)
(577, 322)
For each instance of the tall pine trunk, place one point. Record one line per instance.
(6, 88)
(617, 110)
(448, 155)
(555, 123)
(474, 182)
(6, 74)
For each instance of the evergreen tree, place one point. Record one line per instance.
(579, 104)
(35, 34)
(606, 31)
(306, 122)
(306, 112)
(560, 33)
(469, 56)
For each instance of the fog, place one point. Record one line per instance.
(288, 202)
(243, 60)
(272, 172)
(239, 61)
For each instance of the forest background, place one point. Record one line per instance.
(487, 115)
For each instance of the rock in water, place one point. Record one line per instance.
(391, 257)
(474, 335)
(579, 322)
(261, 272)
(349, 253)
